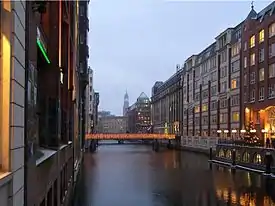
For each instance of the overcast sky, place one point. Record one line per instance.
(134, 43)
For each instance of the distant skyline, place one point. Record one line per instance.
(134, 43)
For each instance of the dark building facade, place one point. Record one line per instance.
(54, 93)
(95, 112)
(258, 72)
(139, 115)
(167, 114)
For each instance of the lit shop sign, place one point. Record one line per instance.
(41, 44)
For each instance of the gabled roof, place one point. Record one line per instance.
(142, 96)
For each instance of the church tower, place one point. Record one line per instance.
(126, 103)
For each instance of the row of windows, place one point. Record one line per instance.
(261, 75)
(261, 36)
(235, 117)
(252, 94)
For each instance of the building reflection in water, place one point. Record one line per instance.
(244, 189)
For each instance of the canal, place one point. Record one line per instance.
(133, 175)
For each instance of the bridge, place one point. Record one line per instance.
(127, 137)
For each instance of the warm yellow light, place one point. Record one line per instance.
(264, 131)
(234, 131)
(5, 100)
(219, 131)
(247, 110)
(243, 131)
(225, 131)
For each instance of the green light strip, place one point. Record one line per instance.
(41, 47)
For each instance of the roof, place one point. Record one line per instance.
(142, 96)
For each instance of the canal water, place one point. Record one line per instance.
(134, 175)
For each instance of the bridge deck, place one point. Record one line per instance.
(129, 136)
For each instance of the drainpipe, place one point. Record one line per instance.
(28, 10)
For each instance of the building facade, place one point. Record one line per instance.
(139, 115)
(112, 124)
(211, 88)
(167, 114)
(95, 111)
(55, 92)
(258, 72)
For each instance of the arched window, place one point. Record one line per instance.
(228, 154)
(246, 157)
(257, 159)
(221, 153)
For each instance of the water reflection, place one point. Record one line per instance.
(168, 178)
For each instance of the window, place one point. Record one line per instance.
(223, 56)
(252, 41)
(234, 83)
(235, 49)
(223, 86)
(235, 100)
(271, 90)
(235, 66)
(261, 74)
(224, 71)
(204, 107)
(252, 59)
(245, 79)
(261, 55)
(213, 90)
(271, 70)
(223, 118)
(271, 30)
(213, 105)
(261, 93)
(197, 109)
(261, 36)
(245, 62)
(245, 46)
(204, 120)
(223, 103)
(252, 78)
(271, 50)
(205, 94)
(213, 119)
(252, 95)
(235, 117)
(197, 96)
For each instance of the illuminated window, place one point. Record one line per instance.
(235, 117)
(252, 59)
(234, 84)
(197, 109)
(261, 74)
(271, 30)
(246, 157)
(261, 36)
(204, 107)
(252, 41)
